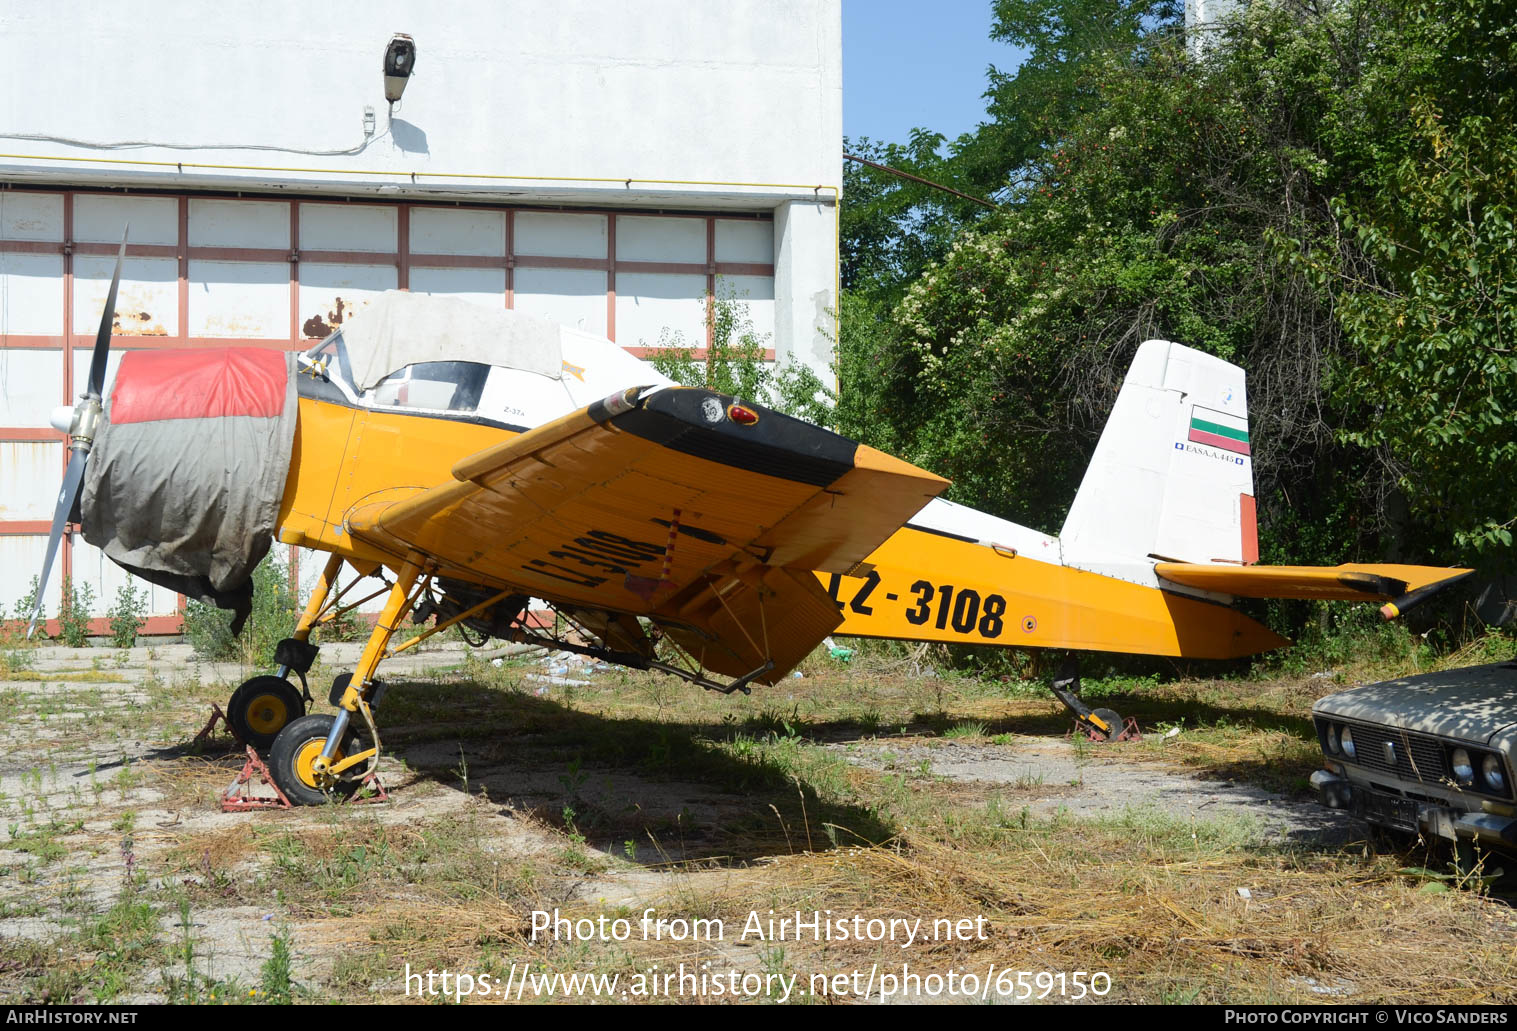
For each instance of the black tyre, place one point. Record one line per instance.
(262, 707)
(1111, 719)
(296, 749)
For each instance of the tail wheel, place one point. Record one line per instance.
(1111, 719)
(262, 707)
(292, 761)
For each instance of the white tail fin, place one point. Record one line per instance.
(1172, 476)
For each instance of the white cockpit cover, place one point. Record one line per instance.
(400, 328)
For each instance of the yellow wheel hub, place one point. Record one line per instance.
(267, 714)
(305, 763)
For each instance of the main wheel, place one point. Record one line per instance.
(292, 761)
(262, 707)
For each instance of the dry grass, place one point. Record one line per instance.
(1168, 924)
(635, 792)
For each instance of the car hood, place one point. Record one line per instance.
(1473, 704)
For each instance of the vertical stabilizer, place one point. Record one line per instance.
(1172, 476)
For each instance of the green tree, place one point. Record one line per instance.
(1153, 215)
(892, 228)
(1432, 308)
(1325, 199)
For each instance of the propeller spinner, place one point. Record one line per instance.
(81, 425)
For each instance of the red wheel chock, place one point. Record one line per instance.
(210, 727)
(372, 784)
(238, 796)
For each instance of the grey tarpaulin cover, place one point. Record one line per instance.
(187, 472)
(399, 329)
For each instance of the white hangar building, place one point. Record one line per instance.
(607, 164)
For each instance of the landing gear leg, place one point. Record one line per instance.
(308, 773)
(263, 706)
(1096, 724)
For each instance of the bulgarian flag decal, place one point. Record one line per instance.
(1218, 429)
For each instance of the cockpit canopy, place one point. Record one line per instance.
(444, 356)
(401, 329)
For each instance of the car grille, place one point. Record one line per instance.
(1419, 757)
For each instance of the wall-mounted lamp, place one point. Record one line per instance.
(400, 59)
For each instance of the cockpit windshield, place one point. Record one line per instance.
(433, 386)
(451, 386)
(330, 357)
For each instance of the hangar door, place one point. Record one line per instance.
(208, 270)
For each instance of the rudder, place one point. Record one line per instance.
(1172, 476)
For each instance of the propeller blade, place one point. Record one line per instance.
(72, 478)
(103, 335)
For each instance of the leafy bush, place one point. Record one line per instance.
(349, 626)
(734, 364)
(74, 613)
(13, 631)
(275, 979)
(208, 629)
(127, 615)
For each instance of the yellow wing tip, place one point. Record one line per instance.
(875, 460)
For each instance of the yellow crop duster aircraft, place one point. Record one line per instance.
(479, 459)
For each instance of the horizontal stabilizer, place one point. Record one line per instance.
(1349, 582)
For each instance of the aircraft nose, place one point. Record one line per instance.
(62, 418)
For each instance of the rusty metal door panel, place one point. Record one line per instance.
(101, 217)
(550, 234)
(756, 295)
(31, 386)
(31, 294)
(467, 231)
(348, 227)
(485, 286)
(240, 299)
(240, 224)
(29, 473)
(648, 304)
(21, 559)
(745, 240)
(82, 358)
(660, 238)
(148, 302)
(105, 578)
(573, 297)
(31, 216)
(330, 293)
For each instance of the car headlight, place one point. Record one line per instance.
(1347, 741)
(1464, 770)
(1332, 739)
(1494, 775)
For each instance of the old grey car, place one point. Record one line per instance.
(1429, 754)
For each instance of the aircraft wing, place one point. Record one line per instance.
(706, 515)
(1352, 581)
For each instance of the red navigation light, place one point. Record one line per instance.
(742, 415)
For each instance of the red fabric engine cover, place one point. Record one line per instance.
(198, 383)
